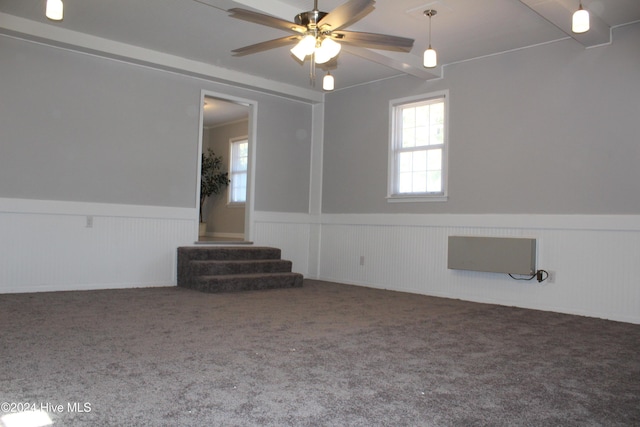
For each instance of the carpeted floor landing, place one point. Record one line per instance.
(322, 355)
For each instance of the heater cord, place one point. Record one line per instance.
(542, 275)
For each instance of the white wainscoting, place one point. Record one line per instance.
(595, 258)
(290, 232)
(47, 246)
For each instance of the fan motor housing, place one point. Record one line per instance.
(310, 19)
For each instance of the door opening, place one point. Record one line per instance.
(227, 136)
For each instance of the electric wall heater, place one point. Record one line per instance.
(492, 254)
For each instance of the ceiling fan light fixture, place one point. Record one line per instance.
(54, 10)
(328, 82)
(430, 56)
(332, 46)
(580, 21)
(318, 35)
(305, 47)
(327, 50)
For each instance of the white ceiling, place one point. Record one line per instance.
(202, 31)
(219, 111)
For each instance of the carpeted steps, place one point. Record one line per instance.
(234, 268)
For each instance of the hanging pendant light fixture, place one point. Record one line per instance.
(580, 21)
(328, 83)
(54, 10)
(430, 56)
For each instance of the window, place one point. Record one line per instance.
(238, 167)
(418, 149)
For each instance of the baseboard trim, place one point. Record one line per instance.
(27, 289)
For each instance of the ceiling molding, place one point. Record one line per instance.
(559, 13)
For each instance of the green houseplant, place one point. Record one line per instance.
(212, 179)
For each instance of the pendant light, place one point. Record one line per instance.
(430, 56)
(54, 10)
(328, 83)
(580, 21)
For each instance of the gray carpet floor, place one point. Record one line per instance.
(322, 355)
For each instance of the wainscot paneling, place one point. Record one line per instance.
(594, 259)
(290, 232)
(49, 245)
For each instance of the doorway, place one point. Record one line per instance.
(227, 134)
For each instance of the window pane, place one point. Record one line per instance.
(419, 182)
(422, 136)
(436, 134)
(419, 161)
(408, 137)
(436, 113)
(413, 170)
(408, 117)
(243, 149)
(406, 162)
(404, 186)
(422, 115)
(239, 162)
(238, 187)
(418, 125)
(435, 160)
(434, 183)
(436, 124)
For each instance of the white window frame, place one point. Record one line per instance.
(233, 172)
(395, 137)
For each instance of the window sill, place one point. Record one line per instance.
(413, 198)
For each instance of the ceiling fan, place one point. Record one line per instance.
(316, 33)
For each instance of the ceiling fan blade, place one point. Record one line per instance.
(268, 20)
(346, 14)
(372, 40)
(259, 47)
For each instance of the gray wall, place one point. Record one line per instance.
(76, 127)
(553, 129)
(283, 146)
(220, 217)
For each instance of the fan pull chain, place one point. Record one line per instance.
(312, 70)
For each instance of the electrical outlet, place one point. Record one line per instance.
(361, 259)
(552, 276)
(89, 221)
